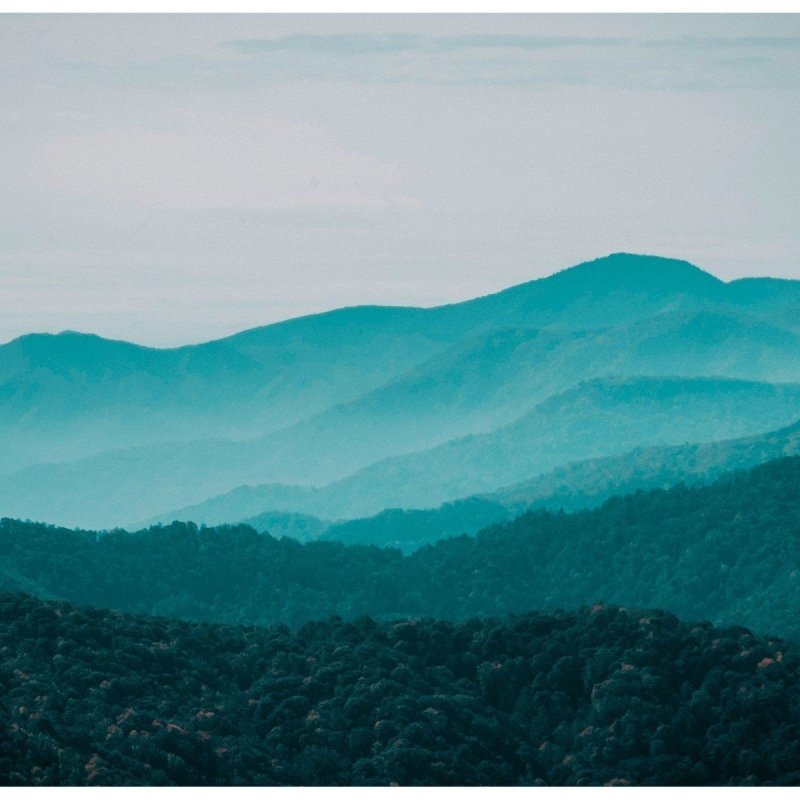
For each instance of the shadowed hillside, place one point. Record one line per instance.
(726, 552)
(605, 695)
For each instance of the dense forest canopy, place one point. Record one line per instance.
(606, 695)
(727, 552)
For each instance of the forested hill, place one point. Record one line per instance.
(603, 696)
(728, 552)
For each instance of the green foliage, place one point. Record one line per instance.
(603, 696)
(410, 529)
(726, 552)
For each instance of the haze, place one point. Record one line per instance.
(170, 179)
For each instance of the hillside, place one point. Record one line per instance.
(598, 418)
(602, 418)
(588, 483)
(727, 552)
(64, 397)
(408, 529)
(604, 696)
(311, 401)
(581, 485)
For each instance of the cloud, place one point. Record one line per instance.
(686, 62)
(479, 59)
(338, 44)
(214, 161)
(359, 43)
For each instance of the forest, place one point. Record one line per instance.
(602, 696)
(353, 430)
(727, 552)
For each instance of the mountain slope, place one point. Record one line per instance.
(65, 397)
(359, 386)
(603, 417)
(727, 552)
(602, 696)
(558, 443)
(577, 486)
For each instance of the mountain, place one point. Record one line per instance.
(589, 483)
(725, 552)
(577, 486)
(108, 432)
(303, 527)
(408, 529)
(65, 396)
(603, 417)
(624, 287)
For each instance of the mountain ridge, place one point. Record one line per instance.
(312, 400)
(327, 501)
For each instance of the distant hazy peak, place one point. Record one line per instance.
(635, 271)
(625, 277)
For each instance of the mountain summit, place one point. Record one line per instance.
(639, 273)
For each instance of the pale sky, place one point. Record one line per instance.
(174, 178)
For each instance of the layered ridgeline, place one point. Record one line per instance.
(580, 485)
(102, 433)
(604, 696)
(604, 416)
(598, 418)
(727, 552)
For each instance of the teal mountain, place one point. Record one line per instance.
(378, 407)
(726, 551)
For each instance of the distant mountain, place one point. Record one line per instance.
(413, 528)
(66, 396)
(624, 287)
(598, 418)
(110, 488)
(303, 527)
(112, 432)
(558, 443)
(579, 485)
(587, 484)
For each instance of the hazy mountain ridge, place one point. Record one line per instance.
(119, 394)
(576, 486)
(572, 426)
(314, 400)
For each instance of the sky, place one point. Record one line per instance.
(169, 179)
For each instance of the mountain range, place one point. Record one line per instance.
(343, 414)
(725, 551)
(579, 485)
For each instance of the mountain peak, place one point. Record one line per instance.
(605, 291)
(639, 272)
